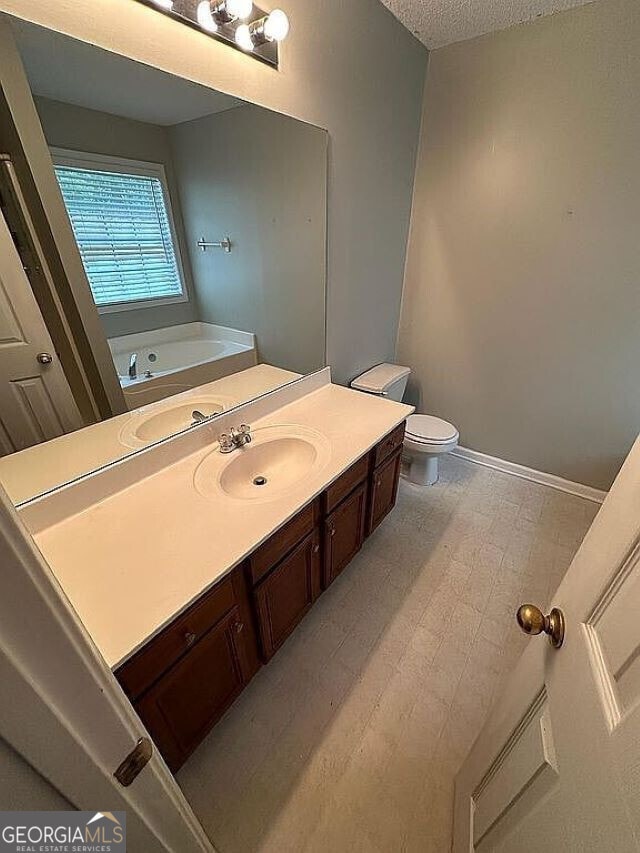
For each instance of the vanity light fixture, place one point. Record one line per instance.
(212, 15)
(228, 11)
(274, 27)
(205, 17)
(238, 23)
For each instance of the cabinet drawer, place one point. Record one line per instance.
(347, 482)
(145, 667)
(274, 549)
(388, 444)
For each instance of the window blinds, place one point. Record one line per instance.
(122, 227)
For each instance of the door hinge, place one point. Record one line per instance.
(135, 762)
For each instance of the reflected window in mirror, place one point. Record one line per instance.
(120, 211)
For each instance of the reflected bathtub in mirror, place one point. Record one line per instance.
(154, 365)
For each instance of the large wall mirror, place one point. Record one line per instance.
(200, 224)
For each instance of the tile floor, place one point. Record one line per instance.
(349, 740)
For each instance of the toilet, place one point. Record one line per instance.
(426, 437)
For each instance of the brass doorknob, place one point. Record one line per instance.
(533, 621)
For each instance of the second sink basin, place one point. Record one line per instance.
(155, 422)
(278, 458)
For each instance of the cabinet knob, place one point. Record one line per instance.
(378, 482)
(332, 531)
(316, 548)
(189, 638)
(239, 626)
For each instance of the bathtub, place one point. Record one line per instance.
(179, 358)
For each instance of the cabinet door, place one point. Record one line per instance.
(344, 533)
(384, 490)
(189, 699)
(286, 595)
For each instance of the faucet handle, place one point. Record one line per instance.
(226, 442)
(244, 429)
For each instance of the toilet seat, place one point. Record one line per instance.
(429, 430)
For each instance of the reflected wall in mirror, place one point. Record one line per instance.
(200, 223)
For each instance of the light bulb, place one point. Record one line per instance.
(205, 18)
(276, 25)
(164, 4)
(243, 37)
(239, 8)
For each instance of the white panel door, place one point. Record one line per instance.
(36, 403)
(557, 765)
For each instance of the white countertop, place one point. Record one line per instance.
(46, 466)
(131, 562)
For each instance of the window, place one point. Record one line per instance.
(121, 217)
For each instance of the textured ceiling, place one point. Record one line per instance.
(440, 22)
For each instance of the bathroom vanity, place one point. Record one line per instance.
(183, 680)
(190, 566)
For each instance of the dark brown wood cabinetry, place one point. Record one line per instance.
(384, 490)
(344, 533)
(185, 678)
(191, 697)
(287, 593)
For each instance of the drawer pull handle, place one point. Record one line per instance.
(378, 482)
(332, 531)
(316, 549)
(239, 626)
(190, 638)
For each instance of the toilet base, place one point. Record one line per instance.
(423, 470)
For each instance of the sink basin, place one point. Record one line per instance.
(153, 423)
(278, 459)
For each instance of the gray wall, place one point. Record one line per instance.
(80, 129)
(260, 178)
(521, 309)
(22, 788)
(348, 67)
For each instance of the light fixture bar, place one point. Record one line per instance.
(222, 19)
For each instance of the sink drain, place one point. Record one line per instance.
(259, 481)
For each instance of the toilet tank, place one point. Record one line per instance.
(385, 380)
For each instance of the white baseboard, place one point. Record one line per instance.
(551, 480)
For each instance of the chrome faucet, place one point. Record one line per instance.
(235, 438)
(133, 366)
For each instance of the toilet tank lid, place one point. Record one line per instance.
(380, 378)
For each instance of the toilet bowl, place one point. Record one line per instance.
(427, 438)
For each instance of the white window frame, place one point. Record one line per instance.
(107, 163)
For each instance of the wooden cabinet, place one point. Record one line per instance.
(268, 555)
(344, 533)
(287, 594)
(388, 445)
(384, 490)
(185, 678)
(190, 698)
